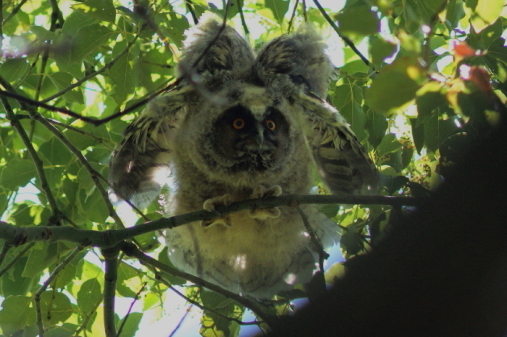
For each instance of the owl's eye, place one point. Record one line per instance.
(238, 123)
(270, 124)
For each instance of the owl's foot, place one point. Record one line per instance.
(210, 204)
(265, 213)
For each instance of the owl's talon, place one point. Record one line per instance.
(265, 213)
(210, 204)
(261, 192)
(225, 221)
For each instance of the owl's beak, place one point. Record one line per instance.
(259, 138)
(255, 140)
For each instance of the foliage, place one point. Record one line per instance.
(426, 85)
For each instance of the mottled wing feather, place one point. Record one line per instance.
(344, 164)
(140, 164)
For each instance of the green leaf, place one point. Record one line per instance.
(388, 144)
(347, 99)
(86, 41)
(431, 101)
(22, 216)
(55, 307)
(13, 283)
(75, 21)
(14, 69)
(278, 7)
(16, 314)
(486, 12)
(18, 172)
(396, 85)
(376, 124)
(89, 295)
(121, 74)
(455, 13)
(381, 49)
(350, 25)
(125, 273)
(417, 133)
(436, 130)
(83, 141)
(42, 33)
(62, 80)
(98, 9)
(65, 330)
(174, 25)
(163, 257)
(93, 206)
(131, 324)
(55, 153)
(36, 261)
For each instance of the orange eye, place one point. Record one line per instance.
(270, 124)
(238, 123)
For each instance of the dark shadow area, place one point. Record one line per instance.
(442, 272)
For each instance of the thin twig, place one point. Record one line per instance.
(291, 21)
(93, 173)
(37, 162)
(315, 240)
(242, 17)
(16, 258)
(124, 320)
(190, 7)
(177, 327)
(46, 284)
(347, 41)
(305, 16)
(95, 73)
(13, 12)
(5, 249)
(132, 251)
(87, 318)
(99, 140)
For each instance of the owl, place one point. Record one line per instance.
(244, 125)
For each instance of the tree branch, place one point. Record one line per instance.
(46, 284)
(347, 41)
(132, 251)
(37, 162)
(109, 238)
(110, 275)
(95, 73)
(93, 173)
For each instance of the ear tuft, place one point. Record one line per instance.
(296, 62)
(229, 56)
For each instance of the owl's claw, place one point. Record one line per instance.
(210, 205)
(265, 213)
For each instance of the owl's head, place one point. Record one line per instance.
(253, 137)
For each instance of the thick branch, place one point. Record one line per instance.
(21, 235)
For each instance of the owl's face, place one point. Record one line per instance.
(249, 141)
(249, 138)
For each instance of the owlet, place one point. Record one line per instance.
(244, 125)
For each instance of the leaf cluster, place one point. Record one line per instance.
(419, 82)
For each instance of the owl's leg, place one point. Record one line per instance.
(264, 213)
(210, 205)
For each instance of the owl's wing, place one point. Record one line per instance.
(344, 164)
(140, 164)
